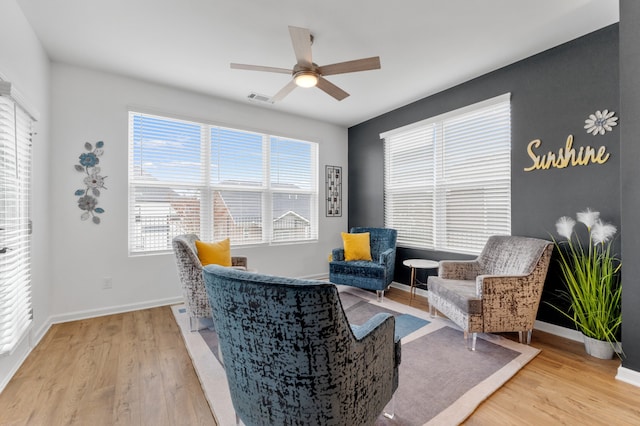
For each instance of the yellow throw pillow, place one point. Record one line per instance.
(356, 246)
(218, 253)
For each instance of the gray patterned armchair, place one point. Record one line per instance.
(499, 291)
(290, 355)
(376, 274)
(190, 272)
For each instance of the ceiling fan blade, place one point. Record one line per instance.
(284, 91)
(365, 64)
(301, 40)
(331, 89)
(260, 68)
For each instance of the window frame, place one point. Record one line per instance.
(430, 231)
(208, 188)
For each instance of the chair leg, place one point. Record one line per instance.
(200, 323)
(474, 337)
(380, 295)
(432, 311)
(390, 410)
(525, 339)
(220, 354)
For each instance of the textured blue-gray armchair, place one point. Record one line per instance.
(376, 274)
(290, 355)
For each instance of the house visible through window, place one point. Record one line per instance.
(447, 179)
(217, 182)
(15, 224)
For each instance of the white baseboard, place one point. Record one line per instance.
(557, 330)
(93, 313)
(628, 376)
(567, 333)
(26, 350)
(29, 342)
(37, 335)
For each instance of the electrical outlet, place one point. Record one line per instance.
(107, 283)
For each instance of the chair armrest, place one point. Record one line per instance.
(239, 261)
(459, 269)
(509, 302)
(500, 283)
(337, 254)
(361, 331)
(387, 256)
(374, 330)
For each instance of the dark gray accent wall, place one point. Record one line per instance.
(552, 94)
(630, 179)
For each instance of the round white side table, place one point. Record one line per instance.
(415, 264)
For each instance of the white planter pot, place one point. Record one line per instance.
(598, 348)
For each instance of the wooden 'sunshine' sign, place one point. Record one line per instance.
(565, 157)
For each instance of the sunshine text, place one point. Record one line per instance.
(567, 156)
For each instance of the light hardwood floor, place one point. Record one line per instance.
(126, 369)
(133, 369)
(560, 386)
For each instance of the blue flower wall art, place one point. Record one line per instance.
(93, 182)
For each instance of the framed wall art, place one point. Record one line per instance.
(333, 186)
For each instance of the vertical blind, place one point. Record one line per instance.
(217, 182)
(15, 241)
(447, 182)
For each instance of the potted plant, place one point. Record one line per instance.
(592, 281)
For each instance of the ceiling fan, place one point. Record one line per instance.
(306, 73)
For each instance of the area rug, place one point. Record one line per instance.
(440, 382)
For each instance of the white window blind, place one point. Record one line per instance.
(217, 182)
(166, 181)
(238, 165)
(293, 190)
(15, 241)
(447, 179)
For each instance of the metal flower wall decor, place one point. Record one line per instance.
(93, 181)
(600, 122)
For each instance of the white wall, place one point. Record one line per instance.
(90, 106)
(24, 63)
(71, 257)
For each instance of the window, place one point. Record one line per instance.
(447, 180)
(15, 225)
(217, 182)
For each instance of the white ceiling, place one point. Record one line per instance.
(425, 46)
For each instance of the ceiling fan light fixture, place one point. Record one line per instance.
(306, 73)
(306, 79)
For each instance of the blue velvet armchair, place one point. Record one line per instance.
(376, 274)
(290, 355)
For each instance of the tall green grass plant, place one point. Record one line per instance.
(591, 274)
